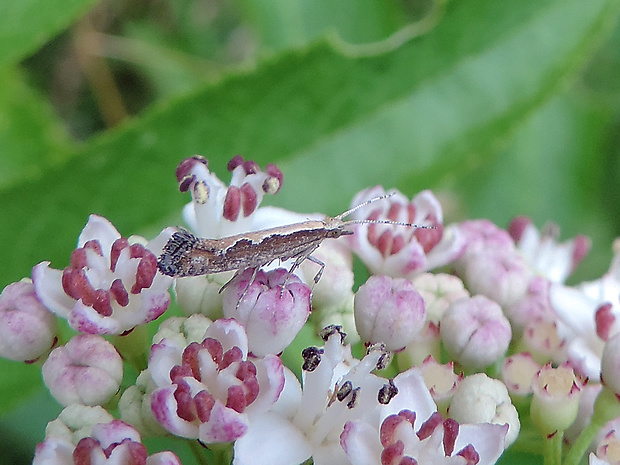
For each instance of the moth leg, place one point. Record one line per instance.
(237, 273)
(247, 286)
(318, 275)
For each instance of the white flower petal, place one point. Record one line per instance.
(487, 439)
(100, 229)
(48, 285)
(271, 440)
(361, 443)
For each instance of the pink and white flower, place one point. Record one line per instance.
(403, 251)
(83, 434)
(212, 390)
(111, 285)
(544, 254)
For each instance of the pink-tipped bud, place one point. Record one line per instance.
(87, 370)
(555, 402)
(518, 371)
(441, 381)
(543, 341)
(475, 331)
(27, 328)
(389, 310)
(273, 308)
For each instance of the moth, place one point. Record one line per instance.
(188, 255)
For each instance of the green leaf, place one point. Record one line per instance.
(25, 25)
(335, 123)
(298, 22)
(31, 137)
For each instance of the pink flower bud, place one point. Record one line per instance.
(389, 310)
(87, 370)
(501, 276)
(475, 331)
(555, 402)
(518, 371)
(534, 305)
(273, 310)
(483, 235)
(27, 328)
(110, 286)
(610, 364)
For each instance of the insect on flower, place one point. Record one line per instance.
(188, 255)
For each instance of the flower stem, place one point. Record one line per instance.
(606, 408)
(553, 448)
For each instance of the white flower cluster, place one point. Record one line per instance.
(445, 307)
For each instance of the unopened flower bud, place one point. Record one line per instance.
(87, 370)
(475, 331)
(501, 276)
(542, 340)
(27, 328)
(439, 291)
(535, 304)
(518, 371)
(334, 288)
(610, 364)
(608, 448)
(389, 310)
(556, 399)
(426, 343)
(441, 381)
(200, 294)
(183, 330)
(76, 422)
(273, 310)
(480, 399)
(135, 406)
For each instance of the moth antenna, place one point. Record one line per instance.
(363, 204)
(397, 223)
(375, 199)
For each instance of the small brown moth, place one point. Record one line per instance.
(188, 255)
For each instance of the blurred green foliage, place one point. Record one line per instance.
(503, 108)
